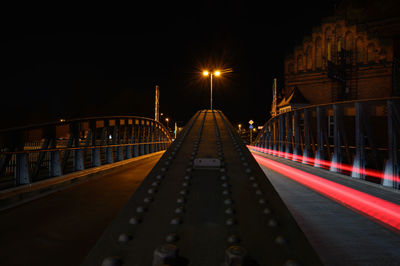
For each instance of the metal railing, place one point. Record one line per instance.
(29, 154)
(358, 138)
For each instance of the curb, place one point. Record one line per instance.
(13, 197)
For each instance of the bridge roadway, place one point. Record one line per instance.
(206, 202)
(187, 209)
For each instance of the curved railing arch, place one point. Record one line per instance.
(36, 152)
(359, 138)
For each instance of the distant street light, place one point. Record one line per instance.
(211, 74)
(167, 120)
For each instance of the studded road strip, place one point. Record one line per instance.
(206, 202)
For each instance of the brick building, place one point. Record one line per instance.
(351, 55)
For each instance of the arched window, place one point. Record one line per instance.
(339, 43)
(318, 52)
(370, 53)
(349, 41)
(299, 63)
(328, 49)
(328, 44)
(360, 50)
(309, 58)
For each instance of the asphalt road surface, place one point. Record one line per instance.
(61, 228)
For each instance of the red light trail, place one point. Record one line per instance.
(379, 209)
(327, 164)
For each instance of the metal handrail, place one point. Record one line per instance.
(34, 152)
(84, 119)
(80, 147)
(285, 133)
(334, 103)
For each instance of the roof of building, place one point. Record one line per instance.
(294, 97)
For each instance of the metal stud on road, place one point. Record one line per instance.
(164, 254)
(111, 261)
(235, 256)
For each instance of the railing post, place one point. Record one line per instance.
(158, 137)
(151, 137)
(265, 138)
(296, 127)
(67, 153)
(288, 150)
(391, 174)
(21, 173)
(359, 158)
(337, 141)
(109, 150)
(135, 148)
(141, 134)
(320, 153)
(55, 160)
(95, 152)
(146, 136)
(281, 134)
(78, 158)
(48, 135)
(128, 139)
(117, 140)
(275, 137)
(307, 137)
(270, 137)
(260, 138)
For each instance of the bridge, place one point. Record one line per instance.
(121, 191)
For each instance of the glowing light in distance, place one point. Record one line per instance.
(205, 73)
(217, 73)
(379, 209)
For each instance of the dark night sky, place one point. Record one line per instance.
(82, 61)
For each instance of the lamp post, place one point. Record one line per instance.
(216, 73)
(167, 120)
(211, 74)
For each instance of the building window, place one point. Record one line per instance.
(318, 53)
(328, 50)
(359, 51)
(370, 53)
(299, 63)
(339, 44)
(309, 58)
(349, 41)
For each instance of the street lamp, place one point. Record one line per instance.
(167, 120)
(216, 73)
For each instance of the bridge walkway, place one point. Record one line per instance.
(61, 228)
(340, 235)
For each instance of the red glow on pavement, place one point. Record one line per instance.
(379, 209)
(326, 164)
